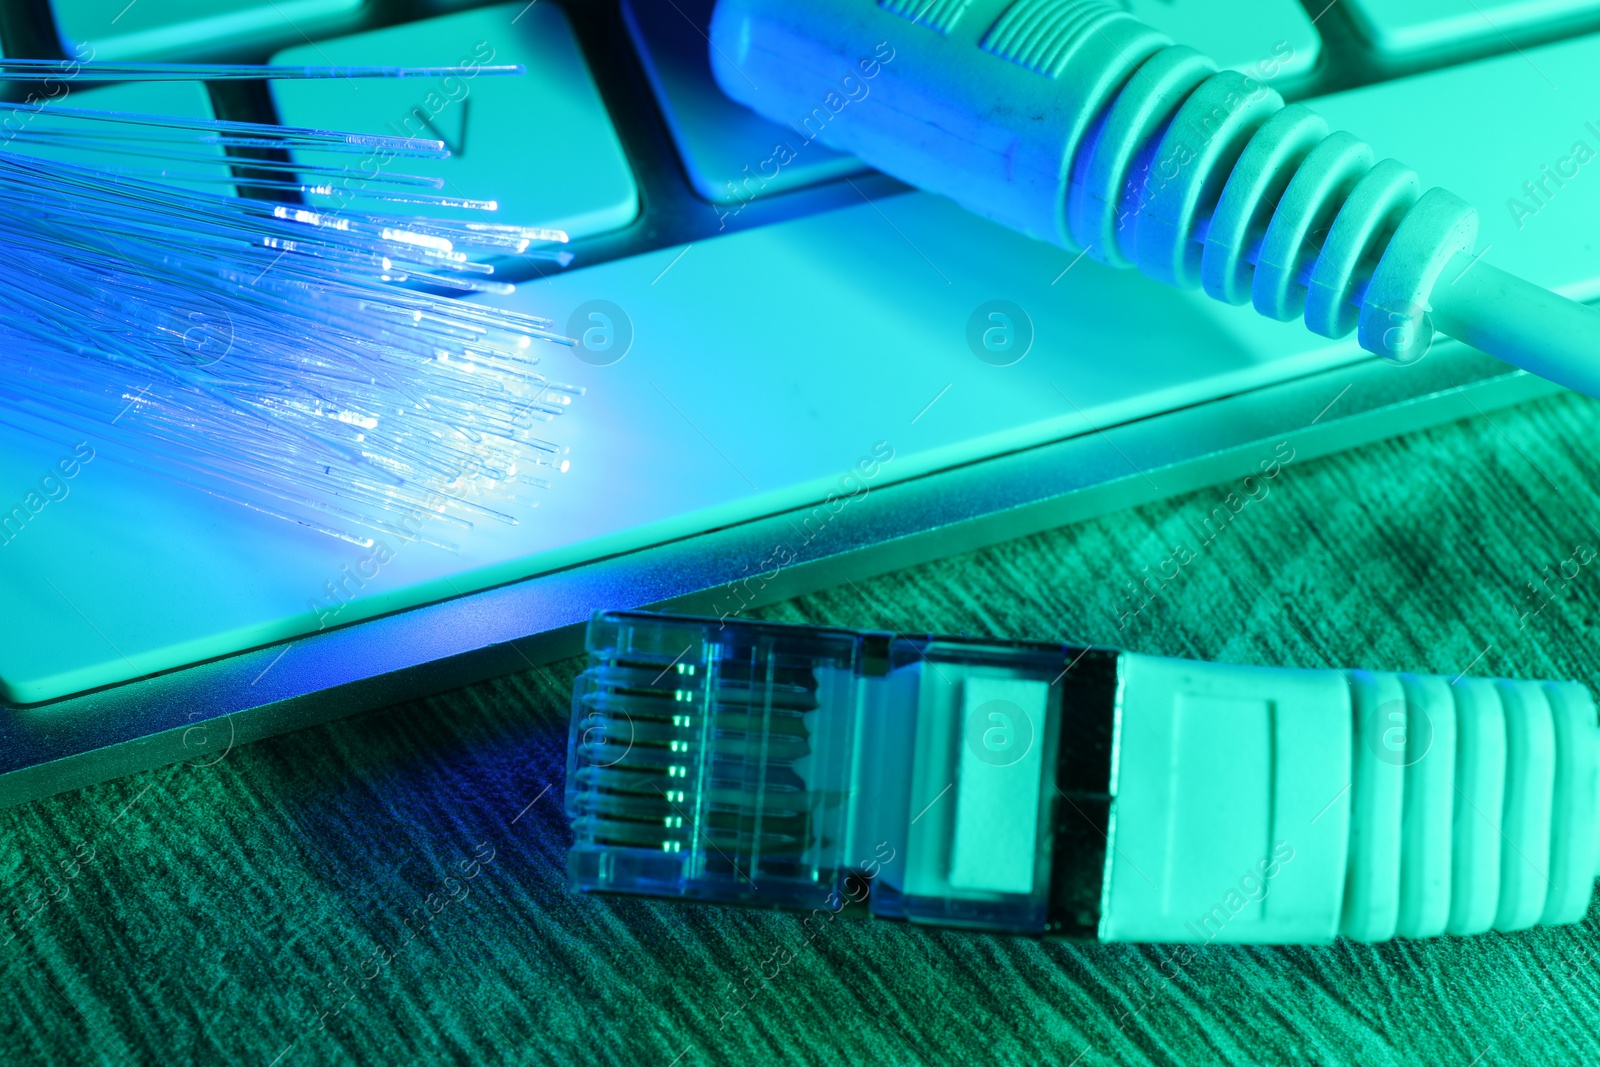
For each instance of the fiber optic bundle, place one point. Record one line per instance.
(298, 362)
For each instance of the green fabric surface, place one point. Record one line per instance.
(228, 913)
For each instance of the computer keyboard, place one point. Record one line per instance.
(772, 333)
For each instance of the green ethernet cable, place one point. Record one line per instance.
(1073, 122)
(1073, 792)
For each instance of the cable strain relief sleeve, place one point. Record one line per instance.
(1266, 805)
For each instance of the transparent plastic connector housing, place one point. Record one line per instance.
(795, 767)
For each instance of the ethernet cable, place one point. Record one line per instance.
(1071, 792)
(1073, 122)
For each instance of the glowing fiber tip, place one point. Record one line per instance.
(293, 360)
(46, 69)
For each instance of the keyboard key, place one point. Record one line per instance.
(196, 29)
(730, 153)
(1438, 29)
(541, 145)
(1499, 133)
(1273, 40)
(184, 99)
(765, 367)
